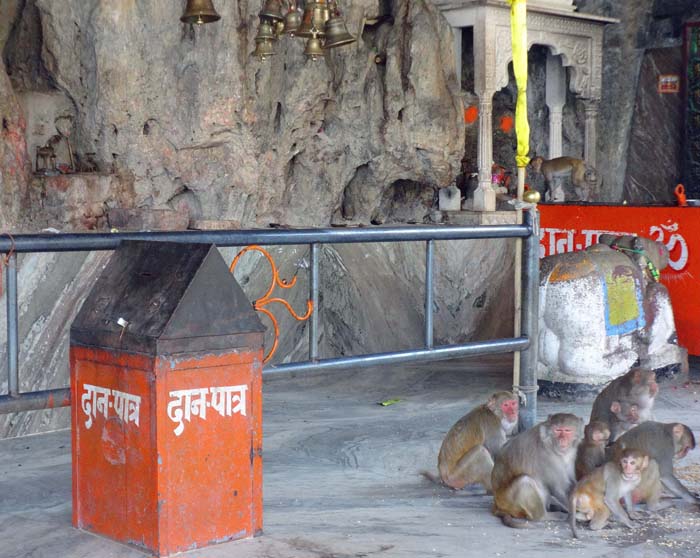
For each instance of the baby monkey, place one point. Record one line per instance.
(598, 494)
(591, 452)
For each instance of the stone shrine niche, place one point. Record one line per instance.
(575, 44)
(45, 112)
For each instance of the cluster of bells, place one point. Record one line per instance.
(321, 23)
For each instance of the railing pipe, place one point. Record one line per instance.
(313, 295)
(12, 326)
(530, 318)
(35, 400)
(80, 242)
(429, 255)
(507, 345)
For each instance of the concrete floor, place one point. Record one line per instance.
(341, 477)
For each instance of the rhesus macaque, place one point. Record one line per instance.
(583, 177)
(535, 470)
(591, 452)
(598, 493)
(636, 387)
(649, 490)
(663, 443)
(466, 454)
(625, 416)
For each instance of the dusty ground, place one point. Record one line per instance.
(341, 478)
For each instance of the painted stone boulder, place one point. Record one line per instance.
(602, 310)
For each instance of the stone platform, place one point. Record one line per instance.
(341, 477)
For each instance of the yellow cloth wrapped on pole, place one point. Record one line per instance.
(518, 30)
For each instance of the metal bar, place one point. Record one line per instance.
(78, 242)
(12, 327)
(35, 400)
(313, 287)
(429, 253)
(506, 345)
(530, 317)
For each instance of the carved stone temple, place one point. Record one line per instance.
(574, 39)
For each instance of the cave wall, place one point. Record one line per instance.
(183, 118)
(631, 129)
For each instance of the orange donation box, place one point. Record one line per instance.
(166, 387)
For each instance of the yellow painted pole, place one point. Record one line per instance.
(518, 27)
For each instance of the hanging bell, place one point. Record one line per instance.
(292, 20)
(306, 20)
(263, 49)
(265, 32)
(337, 33)
(313, 49)
(200, 11)
(272, 10)
(315, 16)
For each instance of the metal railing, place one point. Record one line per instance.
(15, 400)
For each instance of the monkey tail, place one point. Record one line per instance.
(572, 513)
(517, 522)
(433, 478)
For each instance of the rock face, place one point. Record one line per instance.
(189, 112)
(656, 141)
(184, 119)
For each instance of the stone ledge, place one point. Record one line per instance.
(467, 217)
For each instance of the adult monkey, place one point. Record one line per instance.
(625, 417)
(636, 387)
(535, 470)
(466, 454)
(583, 176)
(663, 443)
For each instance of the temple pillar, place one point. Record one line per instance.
(591, 108)
(485, 195)
(555, 96)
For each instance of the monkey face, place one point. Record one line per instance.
(597, 433)
(644, 387)
(632, 463)
(509, 408)
(564, 436)
(625, 411)
(536, 163)
(601, 437)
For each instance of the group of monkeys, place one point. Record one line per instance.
(558, 466)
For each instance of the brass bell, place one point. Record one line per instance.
(263, 49)
(292, 20)
(313, 47)
(272, 10)
(200, 11)
(315, 16)
(265, 32)
(337, 33)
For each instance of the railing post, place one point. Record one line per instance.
(12, 326)
(429, 253)
(530, 317)
(313, 295)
